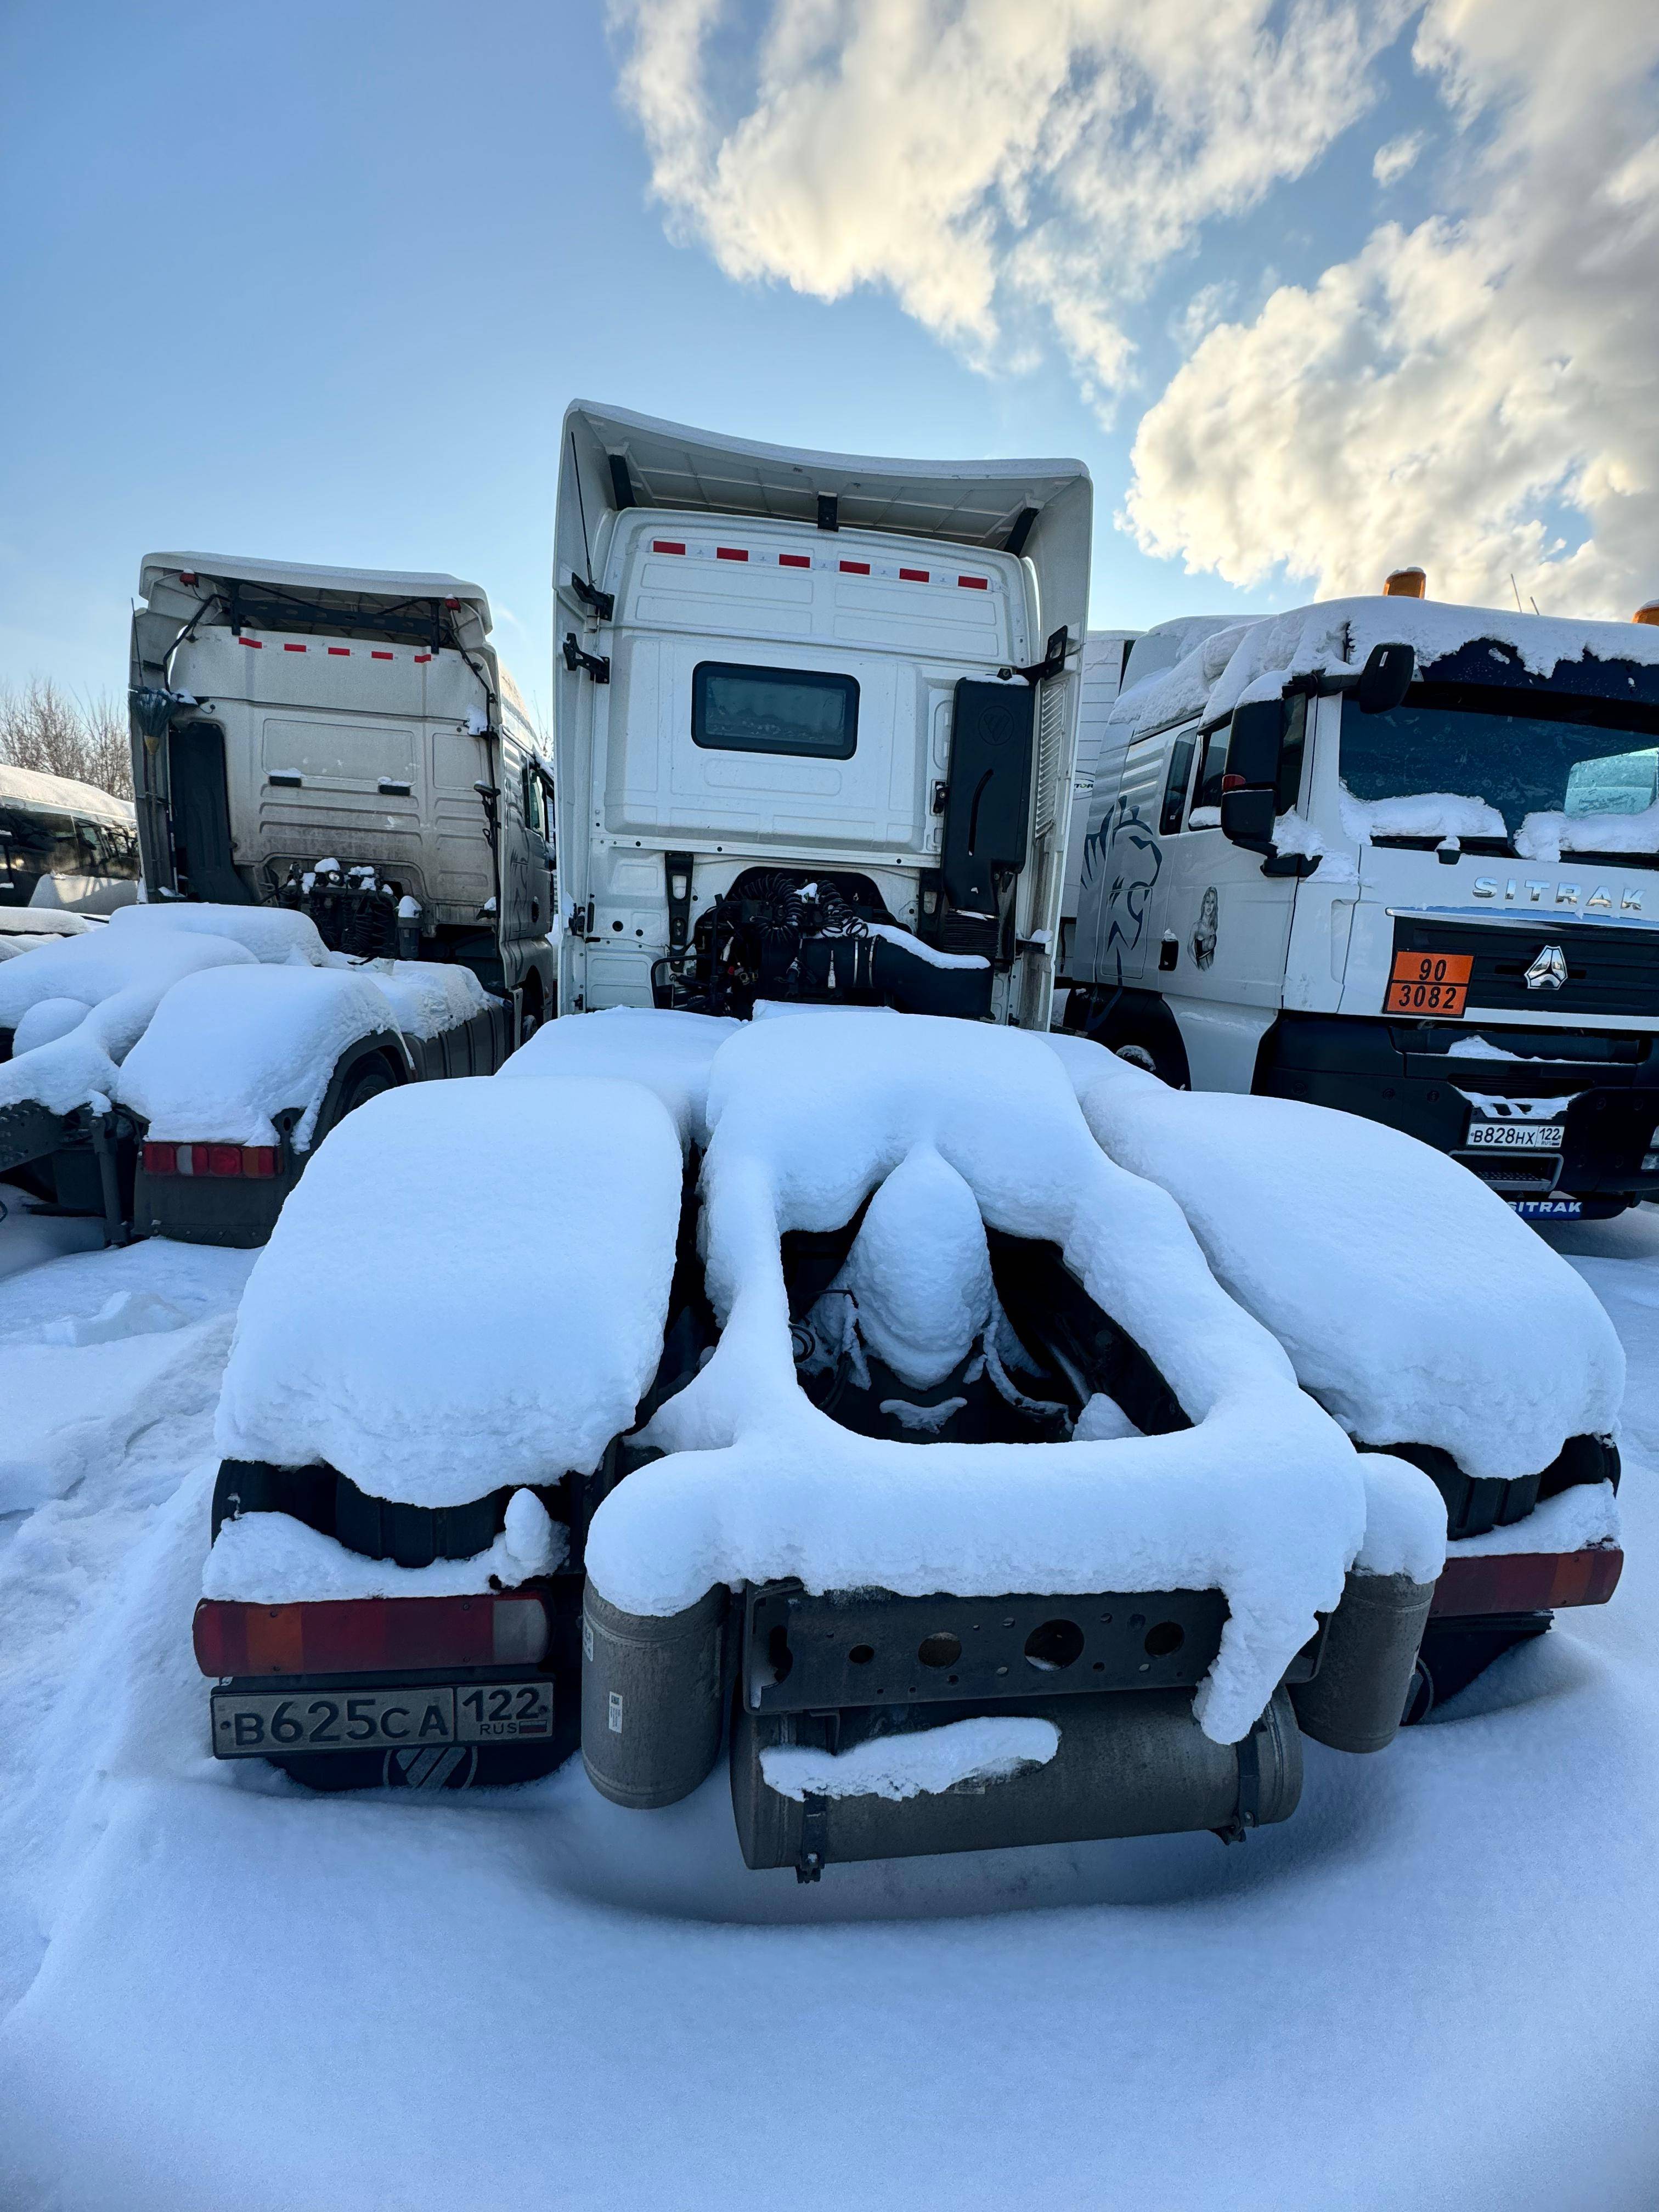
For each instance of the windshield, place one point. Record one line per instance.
(1540, 776)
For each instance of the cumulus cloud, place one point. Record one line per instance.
(1390, 162)
(1475, 394)
(982, 159)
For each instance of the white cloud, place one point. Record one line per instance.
(982, 157)
(1437, 396)
(1390, 162)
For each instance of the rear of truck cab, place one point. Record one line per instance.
(696, 577)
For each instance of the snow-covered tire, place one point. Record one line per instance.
(364, 1084)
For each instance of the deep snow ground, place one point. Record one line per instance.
(1435, 1986)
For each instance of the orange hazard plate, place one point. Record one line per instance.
(1429, 983)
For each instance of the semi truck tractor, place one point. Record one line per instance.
(804, 1356)
(1398, 858)
(344, 815)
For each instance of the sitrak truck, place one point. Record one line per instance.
(1398, 858)
(803, 1356)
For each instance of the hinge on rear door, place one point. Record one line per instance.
(600, 604)
(597, 665)
(1053, 662)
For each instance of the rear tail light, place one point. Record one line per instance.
(1528, 1581)
(367, 1635)
(209, 1159)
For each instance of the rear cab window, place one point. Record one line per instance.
(807, 712)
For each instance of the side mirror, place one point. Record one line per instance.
(1385, 678)
(1254, 742)
(1247, 818)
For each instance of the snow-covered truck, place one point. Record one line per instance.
(981, 1441)
(1398, 858)
(345, 827)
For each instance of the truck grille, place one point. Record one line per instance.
(1516, 1175)
(1610, 971)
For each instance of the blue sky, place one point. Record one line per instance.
(317, 281)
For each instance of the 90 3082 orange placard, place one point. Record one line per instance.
(1429, 983)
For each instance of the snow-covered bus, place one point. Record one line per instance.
(64, 844)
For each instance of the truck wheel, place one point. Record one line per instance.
(368, 1082)
(1453, 1655)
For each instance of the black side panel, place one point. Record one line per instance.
(988, 807)
(201, 816)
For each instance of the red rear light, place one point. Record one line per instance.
(161, 1159)
(188, 575)
(259, 1159)
(365, 1635)
(1528, 1581)
(218, 1159)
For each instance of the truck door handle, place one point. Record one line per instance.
(1168, 952)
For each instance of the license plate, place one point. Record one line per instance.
(1429, 983)
(266, 1723)
(1514, 1136)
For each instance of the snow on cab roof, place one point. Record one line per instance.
(1221, 665)
(33, 786)
(390, 583)
(975, 502)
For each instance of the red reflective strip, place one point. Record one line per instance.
(975, 583)
(913, 575)
(293, 648)
(1526, 1582)
(344, 651)
(356, 1635)
(666, 545)
(855, 567)
(795, 560)
(730, 553)
(375, 655)
(161, 1159)
(423, 656)
(257, 643)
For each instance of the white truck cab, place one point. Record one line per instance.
(345, 742)
(1398, 858)
(816, 719)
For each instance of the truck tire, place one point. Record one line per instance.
(364, 1084)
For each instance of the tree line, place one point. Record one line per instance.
(45, 728)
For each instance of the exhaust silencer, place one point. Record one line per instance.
(1135, 1766)
(651, 1705)
(1357, 1699)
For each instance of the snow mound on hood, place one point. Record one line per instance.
(1413, 1304)
(919, 1270)
(269, 932)
(226, 1051)
(1263, 1496)
(122, 981)
(467, 1288)
(669, 1051)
